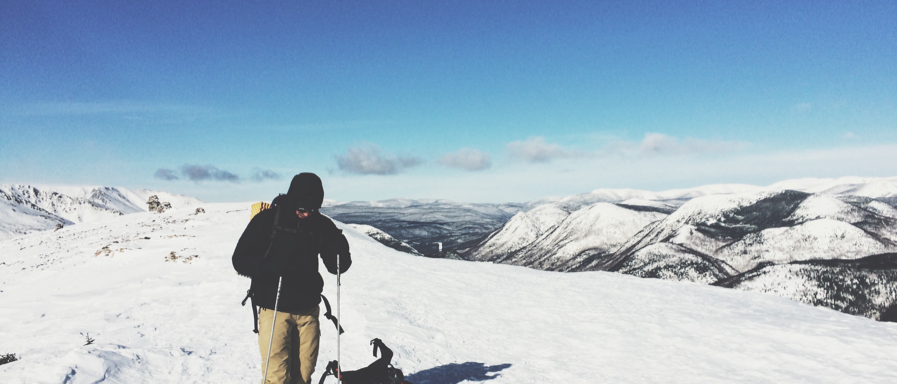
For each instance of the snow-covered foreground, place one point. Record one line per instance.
(158, 321)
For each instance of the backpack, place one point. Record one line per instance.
(378, 372)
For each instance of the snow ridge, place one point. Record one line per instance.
(26, 209)
(717, 233)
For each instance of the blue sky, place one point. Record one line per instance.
(478, 101)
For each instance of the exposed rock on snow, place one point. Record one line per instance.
(173, 257)
(154, 205)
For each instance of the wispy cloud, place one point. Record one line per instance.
(467, 159)
(537, 150)
(802, 107)
(199, 173)
(659, 144)
(165, 174)
(104, 108)
(260, 175)
(366, 159)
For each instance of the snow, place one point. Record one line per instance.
(852, 185)
(816, 239)
(670, 261)
(600, 226)
(822, 206)
(26, 208)
(180, 322)
(521, 230)
(874, 187)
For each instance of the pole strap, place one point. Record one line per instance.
(329, 315)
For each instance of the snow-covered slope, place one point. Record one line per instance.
(384, 238)
(745, 230)
(26, 208)
(674, 197)
(865, 287)
(712, 233)
(448, 321)
(873, 187)
(708, 205)
(520, 231)
(596, 229)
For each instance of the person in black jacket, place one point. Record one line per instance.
(284, 241)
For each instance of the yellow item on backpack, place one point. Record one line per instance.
(258, 207)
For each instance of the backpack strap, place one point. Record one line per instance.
(330, 316)
(331, 369)
(273, 232)
(255, 310)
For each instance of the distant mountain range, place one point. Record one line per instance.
(802, 239)
(829, 242)
(423, 224)
(26, 209)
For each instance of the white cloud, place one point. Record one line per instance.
(660, 144)
(260, 175)
(367, 160)
(199, 173)
(467, 159)
(165, 174)
(537, 150)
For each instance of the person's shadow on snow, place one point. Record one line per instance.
(456, 373)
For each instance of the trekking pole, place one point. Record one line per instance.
(339, 376)
(273, 322)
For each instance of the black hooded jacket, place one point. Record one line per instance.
(293, 255)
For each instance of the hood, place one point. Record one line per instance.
(306, 191)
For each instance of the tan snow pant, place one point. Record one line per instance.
(294, 351)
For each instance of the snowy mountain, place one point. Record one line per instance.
(866, 286)
(158, 295)
(25, 208)
(384, 238)
(710, 238)
(555, 241)
(674, 197)
(884, 189)
(424, 223)
(744, 230)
